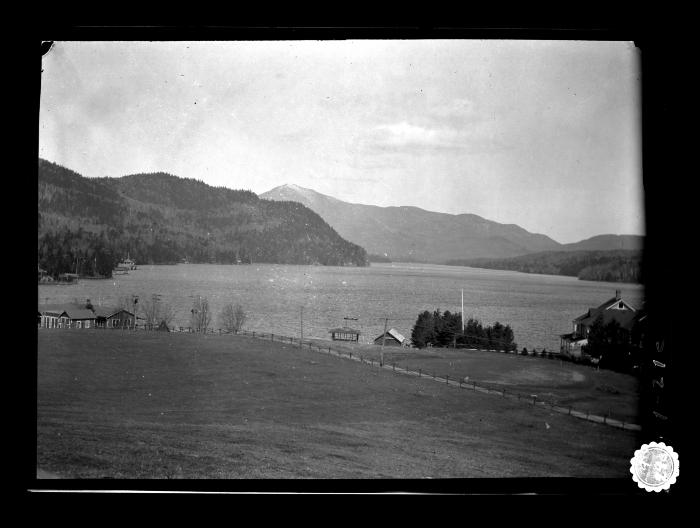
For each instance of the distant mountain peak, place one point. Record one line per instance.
(294, 192)
(411, 233)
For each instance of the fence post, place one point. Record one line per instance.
(569, 410)
(533, 400)
(503, 393)
(460, 383)
(474, 385)
(272, 337)
(419, 373)
(447, 379)
(329, 349)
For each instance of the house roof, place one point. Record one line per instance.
(56, 309)
(395, 334)
(593, 312)
(625, 318)
(615, 300)
(71, 310)
(75, 312)
(109, 311)
(344, 330)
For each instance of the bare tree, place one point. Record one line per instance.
(232, 318)
(201, 316)
(155, 312)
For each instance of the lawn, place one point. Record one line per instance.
(113, 404)
(584, 388)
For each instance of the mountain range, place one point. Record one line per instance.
(413, 234)
(86, 225)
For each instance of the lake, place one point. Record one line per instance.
(277, 297)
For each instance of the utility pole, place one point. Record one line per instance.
(462, 310)
(381, 354)
(301, 326)
(135, 300)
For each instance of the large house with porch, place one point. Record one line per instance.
(614, 309)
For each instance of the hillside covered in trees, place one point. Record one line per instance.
(89, 224)
(609, 266)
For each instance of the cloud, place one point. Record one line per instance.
(455, 125)
(405, 134)
(455, 112)
(409, 138)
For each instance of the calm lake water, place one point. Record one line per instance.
(537, 307)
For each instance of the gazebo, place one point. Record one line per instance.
(344, 334)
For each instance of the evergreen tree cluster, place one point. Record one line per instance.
(444, 329)
(90, 224)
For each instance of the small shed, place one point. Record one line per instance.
(344, 333)
(391, 338)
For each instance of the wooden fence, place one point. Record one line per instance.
(444, 379)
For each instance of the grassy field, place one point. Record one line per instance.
(584, 388)
(114, 404)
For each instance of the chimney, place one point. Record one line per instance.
(88, 305)
(618, 295)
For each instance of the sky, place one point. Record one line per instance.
(543, 134)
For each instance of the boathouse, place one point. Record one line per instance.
(391, 338)
(345, 334)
